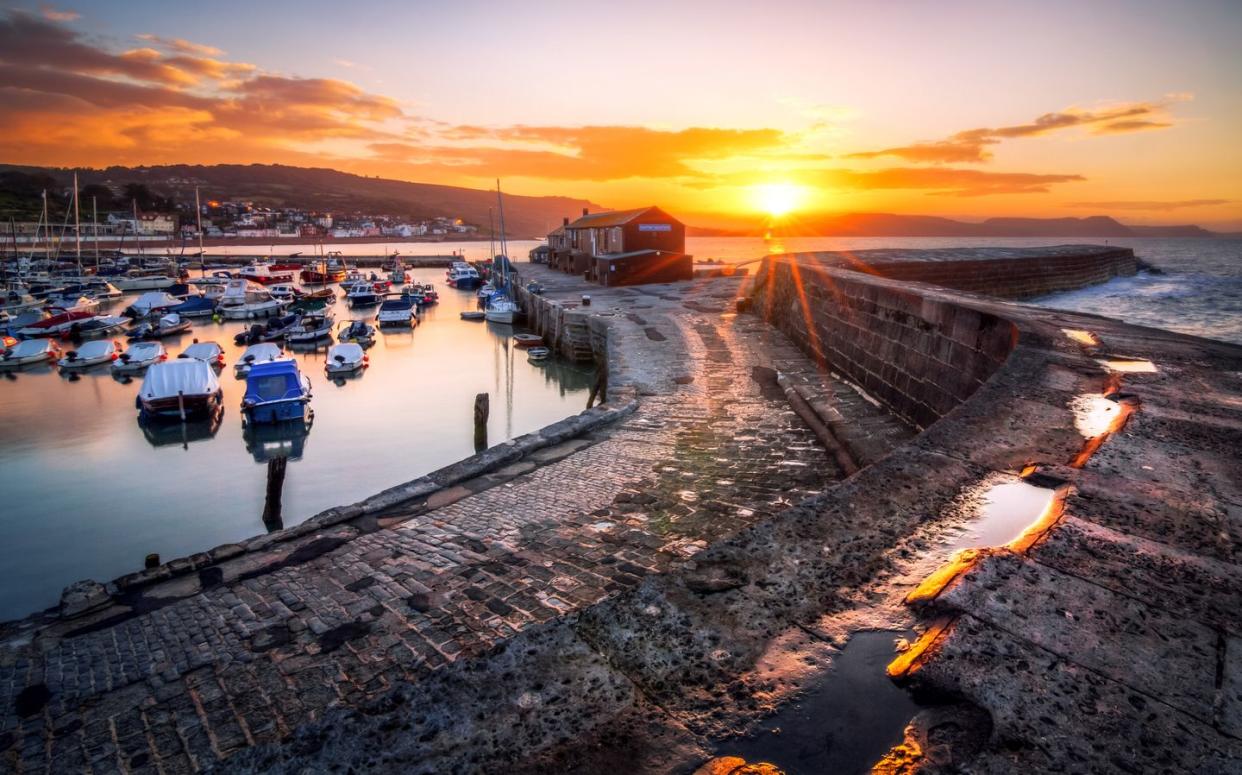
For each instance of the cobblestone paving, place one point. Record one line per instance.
(182, 681)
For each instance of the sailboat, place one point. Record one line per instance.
(500, 307)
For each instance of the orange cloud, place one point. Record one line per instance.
(972, 145)
(947, 180)
(52, 14)
(181, 45)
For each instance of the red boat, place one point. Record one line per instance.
(323, 273)
(56, 324)
(265, 274)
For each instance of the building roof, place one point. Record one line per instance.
(611, 218)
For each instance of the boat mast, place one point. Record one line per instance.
(77, 225)
(198, 214)
(137, 236)
(504, 249)
(491, 236)
(95, 229)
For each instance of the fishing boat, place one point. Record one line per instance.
(501, 309)
(527, 340)
(264, 352)
(397, 312)
(357, 331)
(314, 327)
(180, 390)
(243, 300)
(150, 303)
(463, 275)
(346, 358)
(29, 352)
(538, 354)
(55, 325)
(139, 356)
(168, 325)
(397, 275)
(194, 307)
(143, 280)
(273, 331)
(362, 295)
(94, 353)
(208, 352)
(263, 273)
(323, 272)
(275, 392)
(430, 294)
(101, 325)
(352, 277)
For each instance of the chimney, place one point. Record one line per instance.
(586, 211)
(565, 221)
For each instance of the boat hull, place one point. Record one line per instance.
(276, 411)
(189, 407)
(250, 311)
(143, 283)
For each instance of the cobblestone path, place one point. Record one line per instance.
(207, 666)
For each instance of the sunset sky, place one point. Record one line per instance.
(964, 109)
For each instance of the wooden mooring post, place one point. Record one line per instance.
(275, 490)
(482, 407)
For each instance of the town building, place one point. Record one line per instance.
(622, 247)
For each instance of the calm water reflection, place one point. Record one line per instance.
(87, 491)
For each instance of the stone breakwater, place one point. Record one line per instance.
(631, 596)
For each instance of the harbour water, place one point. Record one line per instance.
(87, 492)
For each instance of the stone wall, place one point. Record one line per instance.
(918, 354)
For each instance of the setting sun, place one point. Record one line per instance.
(777, 199)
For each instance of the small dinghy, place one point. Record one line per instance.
(473, 315)
(275, 392)
(180, 390)
(357, 331)
(538, 354)
(346, 358)
(168, 325)
(313, 328)
(397, 312)
(90, 354)
(139, 356)
(28, 352)
(527, 340)
(208, 352)
(264, 352)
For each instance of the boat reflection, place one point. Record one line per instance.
(166, 434)
(276, 441)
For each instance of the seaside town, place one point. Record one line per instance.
(416, 390)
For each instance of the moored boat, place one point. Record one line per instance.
(275, 392)
(194, 307)
(314, 327)
(397, 312)
(357, 331)
(139, 356)
(463, 275)
(243, 299)
(180, 390)
(362, 294)
(171, 324)
(143, 280)
(274, 330)
(150, 303)
(346, 358)
(17, 300)
(207, 352)
(285, 291)
(94, 353)
(264, 352)
(527, 340)
(323, 272)
(29, 352)
(101, 325)
(501, 309)
(538, 354)
(55, 325)
(264, 274)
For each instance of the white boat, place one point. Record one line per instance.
(538, 354)
(18, 300)
(72, 304)
(397, 275)
(396, 312)
(56, 324)
(139, 356)
(463, 275)
(150, 303)
(143, 280)
(171, 324)
(501, 309)
(207, 352)
(314, 327)
(262, 273)
(29, 352)
(352, 277)
(263, 352)
(243, 300)
(94, 353)
(284, 291)
(180, 390)
(362, 294)
(346, 358)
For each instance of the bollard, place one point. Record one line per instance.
(275, 490)
(153, 560)
(586, 300)
(482, 407)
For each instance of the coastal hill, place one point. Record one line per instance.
(313, 189)
(894, 225)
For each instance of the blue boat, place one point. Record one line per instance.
(275, 391)
(195, 307)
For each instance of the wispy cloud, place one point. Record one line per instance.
(52, 14)
(181, 45)
(974, 145)
(1150, 204)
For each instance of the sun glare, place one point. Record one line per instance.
(777, 199)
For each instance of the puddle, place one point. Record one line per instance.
(1006, 510)
(845, 723)
(1084, 338)
(1128, 365)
